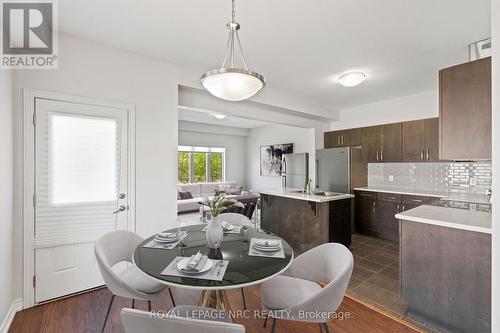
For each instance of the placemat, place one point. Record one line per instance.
(166, 246)
(216, 273)
(256, 253)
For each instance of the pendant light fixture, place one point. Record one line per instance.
(229, 82)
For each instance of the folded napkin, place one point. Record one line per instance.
(196, 262)
(226, 225)
(267, 242)
(165, 234)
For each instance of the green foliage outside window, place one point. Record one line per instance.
(216, 167)
(200, 167)
(183, 167)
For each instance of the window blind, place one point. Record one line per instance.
(77, 178)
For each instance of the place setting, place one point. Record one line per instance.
(264, 247)
(166, 240)
(228, 228)
(197, 266)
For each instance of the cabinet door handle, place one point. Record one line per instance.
(342, 139)
(397, 210)
(377, 154)
(338, 140)
(427, 153)
(403, 208)
(421, 154)
(382, 154)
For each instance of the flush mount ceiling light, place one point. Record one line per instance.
(351, 79)
(229, 82)
(219, 115)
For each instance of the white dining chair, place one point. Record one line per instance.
(298, 291)
(237, 219)
(117, 247)
(185, 321)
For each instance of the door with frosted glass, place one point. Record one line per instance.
(80, 191)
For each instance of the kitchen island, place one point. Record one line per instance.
(445, 258)
(307, 220)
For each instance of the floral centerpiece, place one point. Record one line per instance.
(218, 204)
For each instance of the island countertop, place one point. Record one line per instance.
(291, 194)
(464, 219)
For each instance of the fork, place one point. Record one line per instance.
(220, 264)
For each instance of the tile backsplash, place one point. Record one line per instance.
(459, 177)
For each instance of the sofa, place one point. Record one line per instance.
(199, 191)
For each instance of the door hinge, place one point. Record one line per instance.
(34, 119)
(34, 281)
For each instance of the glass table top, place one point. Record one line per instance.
(242, 269)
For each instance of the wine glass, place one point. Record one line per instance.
(245, 229)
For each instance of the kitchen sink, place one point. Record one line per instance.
(319, 193)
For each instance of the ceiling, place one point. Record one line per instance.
(230, 121)
(299, 46)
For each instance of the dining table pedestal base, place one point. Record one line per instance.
(215, 299)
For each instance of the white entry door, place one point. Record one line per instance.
(80, 191)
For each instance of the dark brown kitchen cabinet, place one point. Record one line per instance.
(465, 111)
(366, 212)
(390, 143)
(332, 139)
(421, 140)
(414, 141)
(370, 144)
(375, 212)
(344, 138)
(351, 137)
(432, 139)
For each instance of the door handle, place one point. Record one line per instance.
(120, 209)
(317, 173)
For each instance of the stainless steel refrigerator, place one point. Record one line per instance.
(295, 170)
(339, 169)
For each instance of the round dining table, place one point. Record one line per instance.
(242, 270)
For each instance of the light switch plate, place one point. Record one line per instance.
(473, 181)
(391, 178)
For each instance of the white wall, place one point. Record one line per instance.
(236, 148)
(302, 138)
(419, 106)
(98, 71)
(6, 193)
(496, 165)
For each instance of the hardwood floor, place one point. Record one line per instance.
(86, 312)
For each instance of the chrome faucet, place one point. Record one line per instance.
(307, 189)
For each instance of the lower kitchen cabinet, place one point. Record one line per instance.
(388, 205)
(375, 212)
(366, 212)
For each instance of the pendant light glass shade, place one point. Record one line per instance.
(229, 82)
(232, 84)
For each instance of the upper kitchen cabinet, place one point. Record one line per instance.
(420, 140)
(390, 143)
(465, 111)
(370, 144)
(332, 139)
(344, 138)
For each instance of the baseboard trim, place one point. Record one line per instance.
(16, 305)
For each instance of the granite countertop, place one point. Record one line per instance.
(289, 193)
(464, 219)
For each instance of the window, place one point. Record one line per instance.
(201, 164)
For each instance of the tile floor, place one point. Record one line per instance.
(376, 273)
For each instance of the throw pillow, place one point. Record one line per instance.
(236, 190)
(184, 195)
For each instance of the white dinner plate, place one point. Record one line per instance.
(228, 227)
(267, 248)
(181, 265)
(166, 240)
